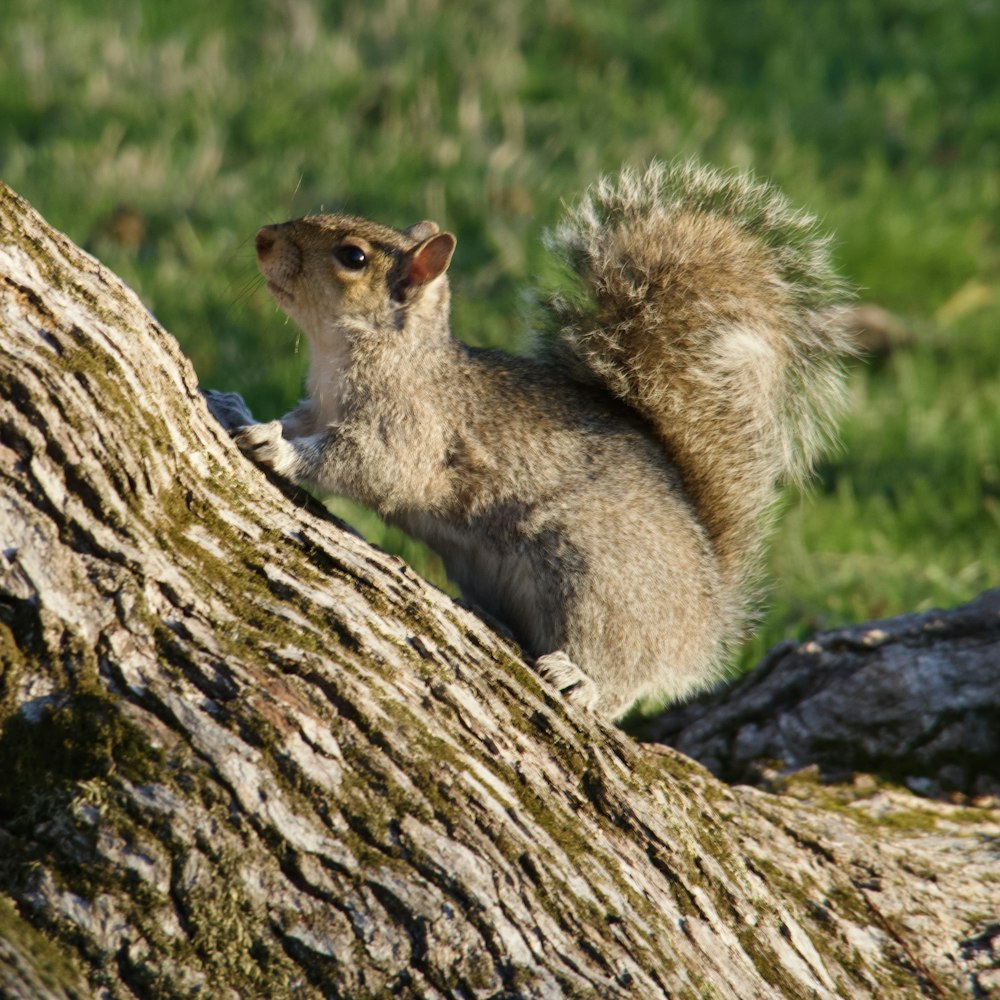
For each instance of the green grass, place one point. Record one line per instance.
(160, 136)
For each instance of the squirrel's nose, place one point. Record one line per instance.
(264, 242)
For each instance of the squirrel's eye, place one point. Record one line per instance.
(351, 256)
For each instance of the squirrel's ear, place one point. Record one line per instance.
(421, 231)
(426, 262)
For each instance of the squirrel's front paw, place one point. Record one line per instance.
(228, 408)
(574, 685)
(265, 445)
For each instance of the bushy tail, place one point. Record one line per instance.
(709, 305)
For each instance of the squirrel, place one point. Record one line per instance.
(606, 496)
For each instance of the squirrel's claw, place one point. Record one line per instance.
(265, 445)
(574, 685)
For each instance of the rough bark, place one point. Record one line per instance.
(247, 755)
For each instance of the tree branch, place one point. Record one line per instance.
(246, 754)
(914, 699)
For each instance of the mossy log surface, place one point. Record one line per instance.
(244, 754)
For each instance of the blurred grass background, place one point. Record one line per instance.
(160, 136)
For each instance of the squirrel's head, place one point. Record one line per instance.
(334, 273)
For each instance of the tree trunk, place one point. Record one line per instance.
(245, 754)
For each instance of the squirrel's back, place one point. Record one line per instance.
(709, 305)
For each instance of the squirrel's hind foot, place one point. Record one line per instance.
(574, 685)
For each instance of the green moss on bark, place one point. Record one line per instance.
(84, 738)
(38, 963)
